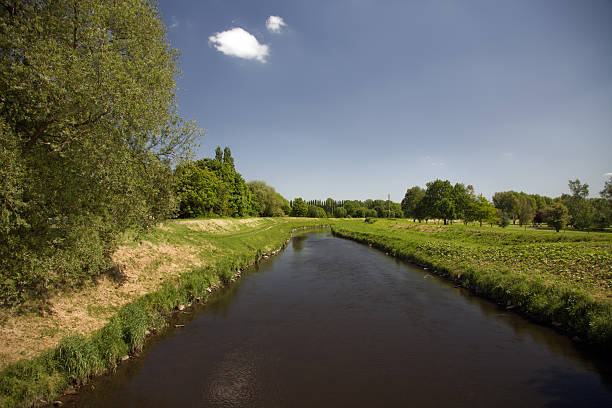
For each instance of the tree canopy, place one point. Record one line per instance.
(213, 187)
(89, 130)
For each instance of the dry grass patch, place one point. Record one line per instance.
(144, 268)
(221, 225)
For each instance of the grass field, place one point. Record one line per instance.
(84, 332)
(563, 279)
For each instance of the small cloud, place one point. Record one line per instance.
(274, 24)
(437, 164)
(508, 154)
(238, 42)
(175, 22)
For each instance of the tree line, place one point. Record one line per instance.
(442, 200)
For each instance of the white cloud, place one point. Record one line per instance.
(238, 42)
(175, 22)
(274, 24)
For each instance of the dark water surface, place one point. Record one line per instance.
(333, 323)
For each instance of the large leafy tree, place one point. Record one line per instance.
(213, 187)
(437, 201)
(580, 209)
(556, 216)
(507, 202)
(90, 132)
(299, 208)
(411, 200)
(270, 203)
(526, 210)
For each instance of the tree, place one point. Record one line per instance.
(340, 212)
(602, 212)
(607, 190)
(437, 191)
(371, 213)
(507, 202)
(316, 212)
(461, 198)
(525, 211)
(411, 200)
(580, 210)
(577, 189)
(299, 208)
(329, 206)
(556, 216)
(270, 203)
(197, 189)
(226, 192)
(351, 207)
(446, 210)
(480, 210)
(88, 106)
(504, 219)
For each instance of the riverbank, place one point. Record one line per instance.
(85, 332)
(559, 279)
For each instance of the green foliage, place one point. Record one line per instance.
(504, 220)
(556, 216)
(526, 211)
(340, 212)
(196, 186)
(411, 200)
(438, 201)
(602, 212)
(371, 213)
(316, 212)
(578, 189)
(89, 133)
(299, 208)
(607, 190)
(507, 202)
(213, 187)
(270, 202)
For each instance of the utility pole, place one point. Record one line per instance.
(389, 200)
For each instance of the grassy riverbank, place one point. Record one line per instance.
(84, 332)
(562, 279)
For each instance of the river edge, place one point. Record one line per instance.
(587, 321)
(40, 380)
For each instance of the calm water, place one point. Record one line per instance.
(330, 322)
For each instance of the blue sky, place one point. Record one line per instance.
(355, 99)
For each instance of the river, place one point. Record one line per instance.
(330, 322)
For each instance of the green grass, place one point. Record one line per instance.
(564, 279)
(77, 358)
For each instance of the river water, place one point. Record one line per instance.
(330, 322)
